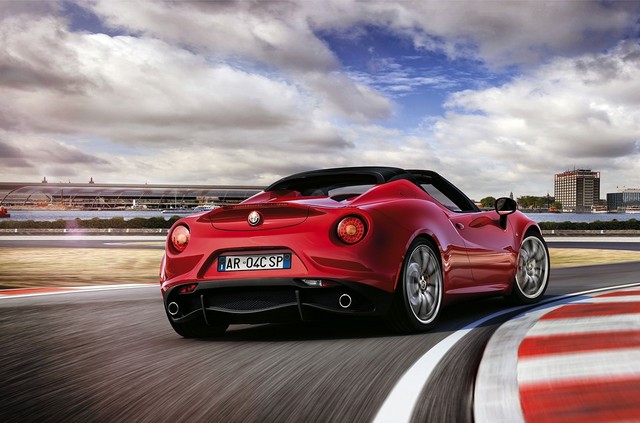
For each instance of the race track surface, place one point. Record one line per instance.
(112, 356)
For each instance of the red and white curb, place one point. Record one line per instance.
(33, 292)
(574, 361)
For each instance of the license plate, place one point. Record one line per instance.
(254, 262)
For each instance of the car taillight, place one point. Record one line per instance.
(187, 289)
(180, 238)
(351, 229)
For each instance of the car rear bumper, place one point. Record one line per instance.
(273, 300)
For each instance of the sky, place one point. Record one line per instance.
(497, 96)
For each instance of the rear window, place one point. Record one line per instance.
(330, 185)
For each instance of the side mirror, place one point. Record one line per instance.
(504, 207)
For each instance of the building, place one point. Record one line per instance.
(626, 200)
(92, 196)
(577, 190)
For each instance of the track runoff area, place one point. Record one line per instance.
(575, 358)
(517, 373)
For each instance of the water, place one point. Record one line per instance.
(50, 215)
(581, 217)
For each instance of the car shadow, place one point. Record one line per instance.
(454, 317)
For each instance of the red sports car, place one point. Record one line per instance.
(368, 241)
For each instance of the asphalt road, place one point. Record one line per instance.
(112, 356)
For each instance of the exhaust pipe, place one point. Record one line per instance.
(173, 308)
(344, 301)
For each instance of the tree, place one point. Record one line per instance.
(532, 202)
(488, 202)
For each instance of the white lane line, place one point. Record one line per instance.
(110, 287)
(616, 299)
(76, 289)
(583, 365)
(496, 393)
(575, 325)
(400, 404)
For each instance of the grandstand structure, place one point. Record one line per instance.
(92, 196)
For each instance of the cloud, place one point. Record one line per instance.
(95, 80)
(38, 55)
(270, 32)
(283, 36)
(355, 145)
(248, 91)
(396, 80)
(37, 154)
(9, 9)
(273, 34)
(572, 112)
(497, 33)
(165, 103)
(12, 157)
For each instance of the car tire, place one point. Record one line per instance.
(533, 268)
(418, 299)
(198, 328)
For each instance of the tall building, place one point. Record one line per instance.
(577, 190)
(625, 200)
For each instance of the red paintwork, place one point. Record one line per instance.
(536, 346)
(594, 400)
(478, 259)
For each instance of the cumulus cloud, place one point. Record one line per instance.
(142, 92)
(37, 154)
(94, 79)
(578, 112)
(10, 9)
(272, 32)
(283, 34)
(275, 34)
(498, 33)
(12, 157)
(37, 56)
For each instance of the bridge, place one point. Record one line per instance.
(92, 196)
